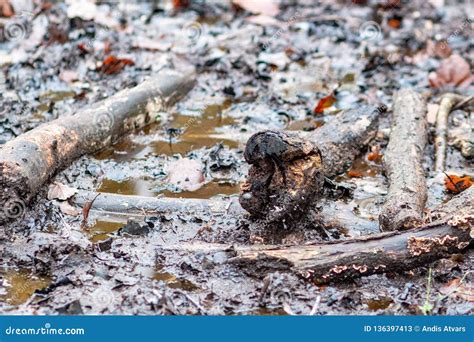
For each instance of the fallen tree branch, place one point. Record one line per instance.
(30, 160)
(287, 171)
(128, 205)
(447, 104)
(403, 158)
(395, 251)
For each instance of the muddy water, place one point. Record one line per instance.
(141, 187)
(102, 229)
(181, 135)
(174, 282)
(20, 285)
(379, 304)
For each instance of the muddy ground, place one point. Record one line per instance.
(255, 72)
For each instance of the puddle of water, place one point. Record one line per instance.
(123, 150)
(193, 132)
(362, 167)
(141, 187)
(379, 304)
(21, 284)
(101, 230)
(174, 282)
(185, 134)
(132, 186)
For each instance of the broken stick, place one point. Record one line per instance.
(447, 104)
(406, 196)
(30, 160)
(287, 171)
(396, 251)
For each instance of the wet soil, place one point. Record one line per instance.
(251, 77)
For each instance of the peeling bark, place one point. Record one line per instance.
(405, 201)
(30, 160)
(287, 171)
(395, 251)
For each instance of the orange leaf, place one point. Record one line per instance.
(394, 23)
(456, 184)
(113, 65)
(324, 103)
(374, 156)
(354, 174)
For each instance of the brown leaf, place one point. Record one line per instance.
(266, 7)
(324, 103)
(354, 174)
(86, 209)
(68, 209)
(60, 191)
(456, 184)
(6, 9)
(394, 23)
(453, 71)
(374, 156)
(112, 65)
(457, 289)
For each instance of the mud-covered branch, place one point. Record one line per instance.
(406, 196)
(287, 171)
(396, 251)
(28, 161)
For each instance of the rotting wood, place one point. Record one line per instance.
(448, 103)
(403, 158)
(287, 171)
(395, 251)
(30, 160)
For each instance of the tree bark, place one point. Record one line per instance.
(30, 160)
(287, 171)
(405, 201)
(395, 251)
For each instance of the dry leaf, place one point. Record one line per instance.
(456, 184)
(185, 174)
(453, 71)
(266, 7)
(374, 156)
(324, 103)
(354, 174)
(68, 209)
(112, 65)
(263, 20)
(60, 191)
(457, 289)
(85, 211)
(6, 9)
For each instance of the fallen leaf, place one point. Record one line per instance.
(456, 184)
(180, 4)
(86, 209)
(112, 65)
(6, 9)
(374, 156)
(394, 23)
(453, 71)
(185, 174)
(60, 191)
(266, 7)
(263, 20)
(354, 174)
(68, 209)
(457, 289)
(324, 103)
